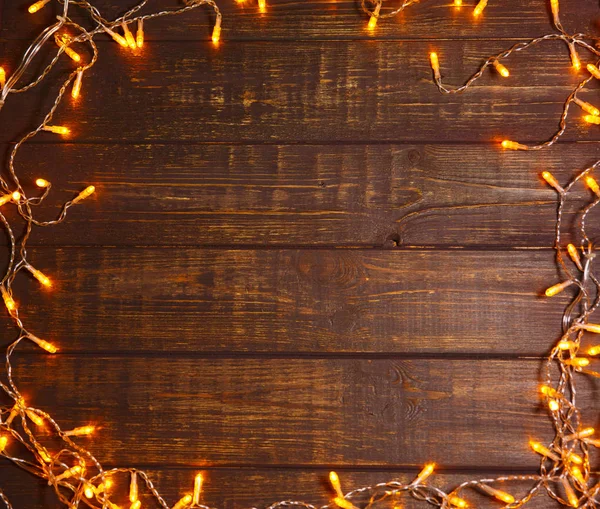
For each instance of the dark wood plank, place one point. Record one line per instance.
(319, 195)
(312, 302)
(325, 19)
(242, 488)
(349, 412)
(340, 91)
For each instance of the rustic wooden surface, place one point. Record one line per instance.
(300, 256)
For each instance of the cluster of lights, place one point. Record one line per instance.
(565, 470)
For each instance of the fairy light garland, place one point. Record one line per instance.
(78, 477)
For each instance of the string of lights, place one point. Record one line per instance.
(78, 478)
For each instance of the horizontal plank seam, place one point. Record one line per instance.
(488, 248)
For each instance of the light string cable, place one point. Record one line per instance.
(77, 476)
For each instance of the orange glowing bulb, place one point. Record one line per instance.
(578, 362)
(551, 181)
(557, 288)
(88, 191)
(507, 498)
(262, 5)
(40, 276)
(513, 145)
(457, 3)
(42, 183)
(76, 470)
(33, 8)
(544, 451)
(424, 473)
(117, 37)
(49, 347)
(63, 41)
(183, 502)
(585, 106)
(88, 491)
(198, 481)
(502, 71)
(593, 70)
(77, 85)
(574, 254)
(129, 37)
(592, 184)
(81, 431)
(10, 304)
(590, 327)
(133, 488)
(374, 17)
(216, 35)
(548, 391)
(584, 433)
(2, 77)
(35, 418)
(435, 65)
(591, 119)
(3, 443)
(479, 8)
(457, 502)
(554, 8)
(139, 36)
(56, 129)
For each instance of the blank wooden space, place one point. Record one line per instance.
(271, 92)
(306, 301)
(325, 195)
(352, 412)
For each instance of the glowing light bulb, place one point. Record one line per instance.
(457, 502)
(554, 8)
(556, 289)
(435, 65)
(502, 71)
(479, 8)
(553, 405)
(76, 470)
(590, 327)
(424, 473)
(2, 77)
(551, 181)
(133, 488)
(585, 106)
(129, 36)
(584, 433)
(116, 37)
(575, 62)
(3, 443)
(40, 276)
(513, 145)
(593, 350)
(16, 196)
(544, 451)
(574, 458)
(546, 390)
(14, 411)
(374, 17)
(595, 443)
(136, 505)
(10, 304)
(49, 347)
(198, 481)
(342, 503)
(335, 483)
(35, 418)
(571, 497)
(592, 184)
(577, 475)
(183, 502)
(81, 431)
(88, 191)
(104, 486)
(77, 85)
(574, 254)
(591, 119)
(42, 183)
(88, 491)
(593, 70)
(56, 129)
(507, 498)
(33, 8)
(139, 36)
(262, 5)
(564, 344)
(63, 42)
(458, 3)
(216, 35)
(578, 362)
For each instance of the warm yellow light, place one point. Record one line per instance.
(435, 65)
(197, 488)
(575, 61)
(3, 443)
(574, 254)
(133, 488)
(593, 70)
(35, 418)
(88, 191)
(56, 129)
(88, 491)
(513, 145)
(16, 196)
(262, 5)
(139, 36)
(81, 431)
(136, 505)
(33, 8)
(553, 405)
(104, 486)
(578, 362)
(590, 327)
(591, 441)
(585, 106)
(40, 276)
(116, 37)
(2, 77)
(424, 473)
(479, 8)
(584, 433)
(5, 198)
(10, 304)
(183, 502)
(457, 502)
(591, 119)
(14, 411)
(374, 17)
(457, 3)
(564, 344)
(578, 475)
(546, 390)
(42, 183)
(342, 503)
(129, 37)
(216, 35)
(554, 8)
(507, 498)
(77, 85)
(557, 288)
(544, 451)
(503, 71)
(571, 497)
(574, 458)
(593, 350)
(76, 470)
(63, 41)
(551, 181)
(49, 347)
(335, 483)
(592, 184)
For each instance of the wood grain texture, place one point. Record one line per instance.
(294, 302)
(236, 488)
(326, 19)
(434, 195)
(339, 91)
(177, 410)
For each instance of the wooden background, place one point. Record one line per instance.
(300, 256)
